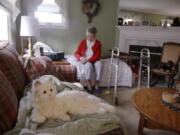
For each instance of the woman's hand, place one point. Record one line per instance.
(83, 60)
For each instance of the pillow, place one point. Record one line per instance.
(8, 104)
(38, 66)
(53, 69)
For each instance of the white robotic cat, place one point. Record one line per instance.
(50, 104)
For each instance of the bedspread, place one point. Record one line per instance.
(125, 76)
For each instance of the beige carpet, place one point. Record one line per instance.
(129, 114)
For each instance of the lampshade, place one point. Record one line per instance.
(29, 26)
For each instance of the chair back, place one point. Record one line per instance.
(171, 52)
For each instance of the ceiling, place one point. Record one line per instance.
(165, 7)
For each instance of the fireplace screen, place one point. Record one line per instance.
(155, 52)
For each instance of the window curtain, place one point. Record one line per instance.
(63, 5)
(13, 6)
(33, 6)
(64, 9)
(60, 3)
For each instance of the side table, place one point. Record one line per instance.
(153, 113)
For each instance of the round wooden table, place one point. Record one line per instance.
(153, 113)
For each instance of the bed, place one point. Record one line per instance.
(125, 73)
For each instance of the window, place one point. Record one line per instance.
(51, 14)
(4, 24)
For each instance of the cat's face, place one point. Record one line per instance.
(45, 90)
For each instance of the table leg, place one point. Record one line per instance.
(170, 82)
(141, 124)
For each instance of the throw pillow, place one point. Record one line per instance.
(38, 66)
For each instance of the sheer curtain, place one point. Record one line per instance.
(60, 3)
(13, 6)
(63, 6)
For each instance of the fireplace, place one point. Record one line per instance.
(146, 36)
(155, 53)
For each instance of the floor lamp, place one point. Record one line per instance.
(29, 28)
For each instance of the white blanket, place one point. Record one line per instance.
(125, 76)
(92, 124)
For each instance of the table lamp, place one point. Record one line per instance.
(29, 28)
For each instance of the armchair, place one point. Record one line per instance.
(170, 56)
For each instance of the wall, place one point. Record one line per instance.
(164, 7)
(67, 40)
(155, 18)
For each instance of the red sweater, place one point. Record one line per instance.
(81, 51)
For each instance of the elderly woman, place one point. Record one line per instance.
(88, 54)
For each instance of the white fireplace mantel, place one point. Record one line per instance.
(146, 36)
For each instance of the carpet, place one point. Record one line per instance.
(128, 113)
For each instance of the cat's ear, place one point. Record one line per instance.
(50, 79)
(37, 83)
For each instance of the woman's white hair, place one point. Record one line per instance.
(91, 29)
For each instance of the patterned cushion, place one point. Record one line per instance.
(11, 67)
(69, 73)
(8, 104)
(38, 66)
(53, 69)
